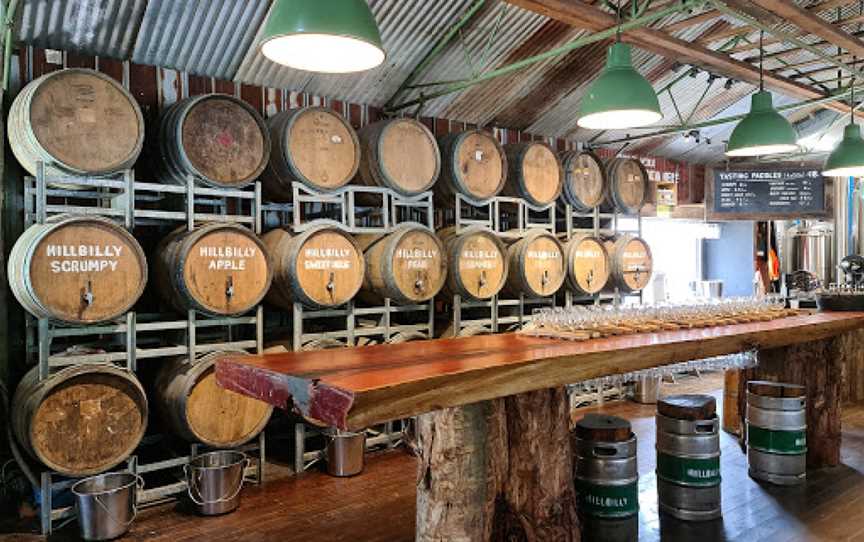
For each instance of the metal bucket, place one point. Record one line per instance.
(214, 481)
(106, 504)
(688, 468)
(647, 390)
(345, 452)
(607, 478)
(777, 439)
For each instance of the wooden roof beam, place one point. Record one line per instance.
(582, 15)
(811, 23)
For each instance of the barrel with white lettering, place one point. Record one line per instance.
(631, 264)
(688, 457)
(537, 265)
(322, 267)
(77, 270)
(587, 265)
(606, 476)
(477, 262)
(217, 269)
(777, 432)
(407, 266)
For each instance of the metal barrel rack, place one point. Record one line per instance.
(136, 337)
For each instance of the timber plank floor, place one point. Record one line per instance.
(379, 504)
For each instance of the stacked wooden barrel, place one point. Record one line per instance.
(631, 263)
(627, 185)
(584, 186)
(78, 270)
(407, 266)
(477, 263)
(399, 154)
(314, 146)
(537, 265)
(219, 140)
(218, 269)
(81, 420)
(535, 173)
(588, 269)
(474, 164)
(321, 267)
(193, 406)
(76, 121)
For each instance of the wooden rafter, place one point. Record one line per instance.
(582, 15)
(810, 23)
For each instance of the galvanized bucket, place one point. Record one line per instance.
(345, 452)
(106, 504)
(777, 439)
(688, 468)
(607, 477)
(214, 481)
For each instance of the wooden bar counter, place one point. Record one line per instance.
(494, 424)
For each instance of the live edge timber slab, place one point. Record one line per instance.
(355, 388)
(493, 431)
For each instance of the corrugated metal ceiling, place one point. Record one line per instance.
(218, 38)
(89, 27)
(202, 37)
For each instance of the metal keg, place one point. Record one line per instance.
(607, 478)
(688, 457)
(777, 432)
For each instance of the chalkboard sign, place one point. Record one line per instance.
(765, 195)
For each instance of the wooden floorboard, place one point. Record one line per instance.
(378, 506)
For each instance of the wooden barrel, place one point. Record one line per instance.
(630, 263)
(627, 185)
(584, 180)
(76, 121)
(537, 266)
(587, 265)
(218, 269)
(534, 175)
(400, 154)
(408, 265)
(321, 267)
(477, 263)
(81, 420)
(78, 270)
(474, 164)
(218, 139)
(314, 146)
(193, 406)
(469, 331)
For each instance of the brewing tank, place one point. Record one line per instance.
(810, 247)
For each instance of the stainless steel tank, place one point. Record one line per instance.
(810, 247)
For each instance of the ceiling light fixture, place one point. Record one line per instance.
(763, 131)
(847, 159)
(337, 36)
(620, 98)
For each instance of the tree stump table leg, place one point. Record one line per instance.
(818, 366)
(500, 470)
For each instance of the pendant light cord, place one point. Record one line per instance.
(761, 60)
(618, 22)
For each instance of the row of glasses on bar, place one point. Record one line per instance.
(590, 321)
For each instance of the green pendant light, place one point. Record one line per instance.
(620, 98)
(327, 36)
(763, 131)
(847, 159)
